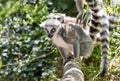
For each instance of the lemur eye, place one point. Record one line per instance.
(59, 18)
(53, 30)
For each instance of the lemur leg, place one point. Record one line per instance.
(79, 18)
(76, 49)
(86, 18)
(62, 53)
(79, 6)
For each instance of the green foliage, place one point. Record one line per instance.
(0, 63)
(64, 6)
(26, 54)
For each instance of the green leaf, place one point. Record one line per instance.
(1, 63)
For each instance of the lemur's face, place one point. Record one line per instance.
(58, 16)
(50, 26)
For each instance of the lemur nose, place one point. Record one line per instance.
(50, 35)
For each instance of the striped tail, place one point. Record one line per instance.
(105, 49)
(72, 72)
(100, 23)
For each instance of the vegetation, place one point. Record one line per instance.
(26, 54)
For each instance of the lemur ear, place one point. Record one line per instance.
(43, 24)
(63, 15)
(51, 15)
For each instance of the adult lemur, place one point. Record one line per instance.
(100, 23)
(70, 39)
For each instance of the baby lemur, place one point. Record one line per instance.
(67, 19)
(62, 18)
(70, 39)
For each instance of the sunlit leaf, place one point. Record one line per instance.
(1, 63)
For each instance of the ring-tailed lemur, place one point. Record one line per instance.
(70, 39)
(67, 19)
(85, 17)
(99, 25)
(62, 18)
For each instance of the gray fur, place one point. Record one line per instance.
(71, 40)
(96, 35)
(72, 72)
